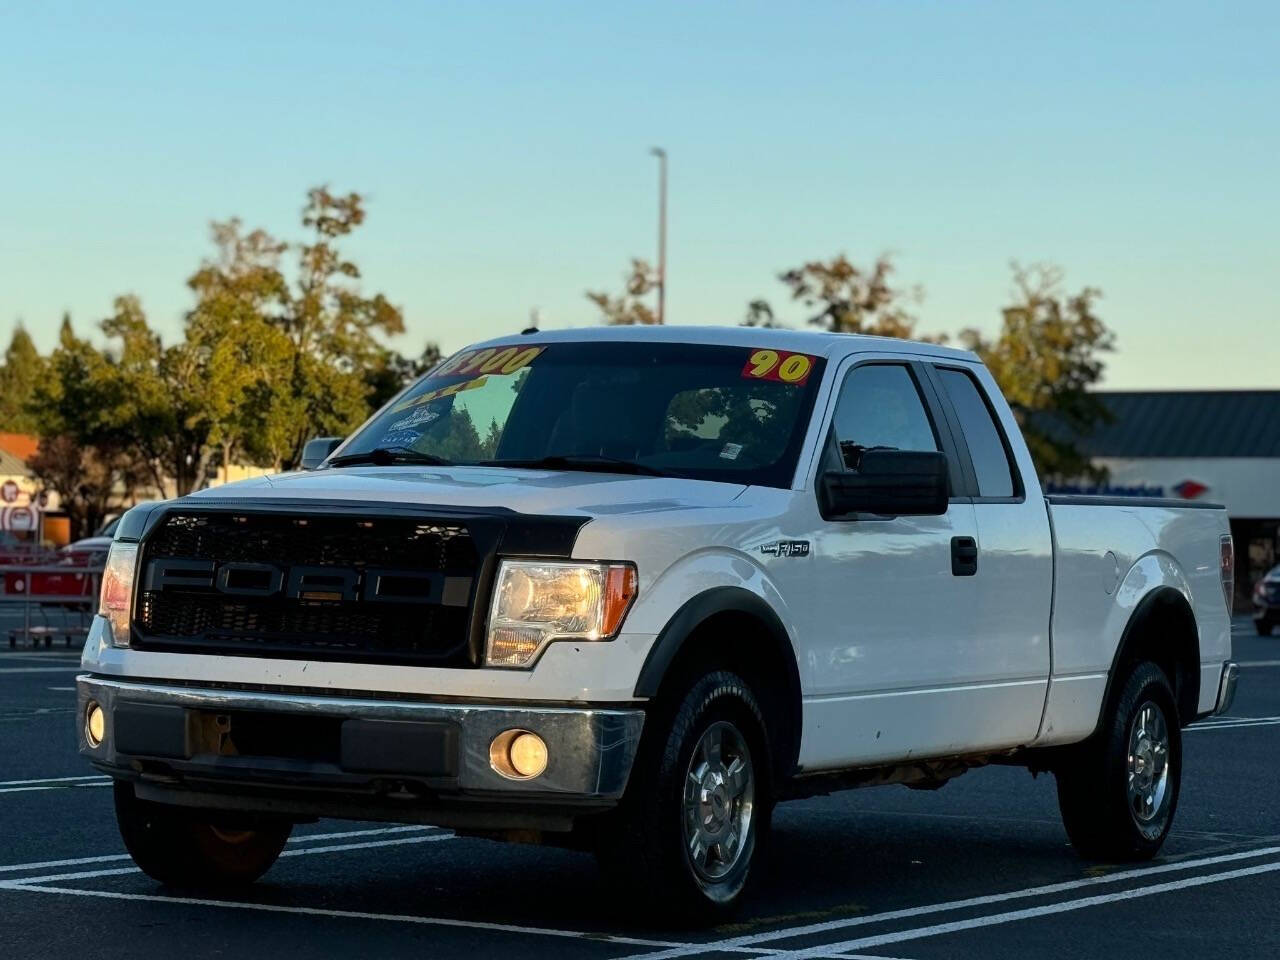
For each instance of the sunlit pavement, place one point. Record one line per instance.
(978, 869)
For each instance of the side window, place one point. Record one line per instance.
(986, 445)
(880, 406)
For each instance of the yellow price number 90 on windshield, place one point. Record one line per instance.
(778, 365)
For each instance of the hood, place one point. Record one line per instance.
(539, 492)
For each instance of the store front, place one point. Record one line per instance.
(1221, 446)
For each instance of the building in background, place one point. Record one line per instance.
(1221, 446)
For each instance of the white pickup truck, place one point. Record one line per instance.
(626, 589)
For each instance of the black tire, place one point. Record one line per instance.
(645, 844)
(196, 848)
(1263, 627)
(1104, 819)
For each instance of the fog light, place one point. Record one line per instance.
(95, 724)
(518, 755)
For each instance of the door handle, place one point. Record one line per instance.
(964, 556)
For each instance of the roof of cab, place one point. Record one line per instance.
(812, 342)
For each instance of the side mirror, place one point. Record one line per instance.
(317, 450)
(890, 483)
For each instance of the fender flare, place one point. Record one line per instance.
(696, 611)
(1161, 594)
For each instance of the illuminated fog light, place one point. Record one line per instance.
(518, 755)
(95, 724)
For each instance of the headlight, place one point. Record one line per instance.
(117, 590)
(535, 602)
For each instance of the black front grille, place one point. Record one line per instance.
(391, 589)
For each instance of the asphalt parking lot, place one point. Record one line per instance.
(978, 869)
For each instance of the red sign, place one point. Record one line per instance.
(1190, 489)
(778, 365)
(9, 492)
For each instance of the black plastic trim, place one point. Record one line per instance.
(1140, 612)
(1166, 503)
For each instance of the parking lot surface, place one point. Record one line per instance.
(979, 869)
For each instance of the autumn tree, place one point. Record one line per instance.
(629, 307)
(1047, 359)
(21, 370)
(845, 298)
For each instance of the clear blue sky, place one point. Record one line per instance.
(503, 147)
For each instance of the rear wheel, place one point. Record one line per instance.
(196, 848)
(1119, 791)
(691, 827)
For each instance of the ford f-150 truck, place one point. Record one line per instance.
(625, 590)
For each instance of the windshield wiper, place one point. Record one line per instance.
(386, 456)
(579, 461)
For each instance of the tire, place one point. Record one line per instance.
(1109, 815)
(1263, 627)
(693, 824)
(195, 848)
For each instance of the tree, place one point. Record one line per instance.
(1047, 359)
(850, 299)
(629, 308)
(19, 374)
(83, 453)
(162, 399)
(393, 370)
(325, 326)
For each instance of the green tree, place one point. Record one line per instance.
(84, 454)
(330, 329)
(19, 374)
(392, 371)
(629, 308)
(1047, 359)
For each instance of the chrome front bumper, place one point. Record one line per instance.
(1227, 687)
(431, 750)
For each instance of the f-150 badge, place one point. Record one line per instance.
(786, 548)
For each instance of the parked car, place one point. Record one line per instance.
(1266, 602)
(626, 589)
(96, 545)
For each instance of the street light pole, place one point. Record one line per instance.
(662, 231)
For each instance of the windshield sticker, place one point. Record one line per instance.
(400, 438)
(442, 392)
(778, 365)
(419, 418)
(730, 451)
(505, 360)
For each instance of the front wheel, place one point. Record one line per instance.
(194, 848)
(689, 831)
(1118, 792)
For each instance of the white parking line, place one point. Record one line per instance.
(19, 783)
(57, 786)
(304, 852)
(918, 933)
(828, 926)
(1233, 723)
(67, 669)
(116, 857)
(1260, 663)
(358, 915)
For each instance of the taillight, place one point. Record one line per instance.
(1227, 569)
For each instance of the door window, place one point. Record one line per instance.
(986, 445)
(880, 406)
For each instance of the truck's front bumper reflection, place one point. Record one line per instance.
(305, 754)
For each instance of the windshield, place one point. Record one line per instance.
(705, 412)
